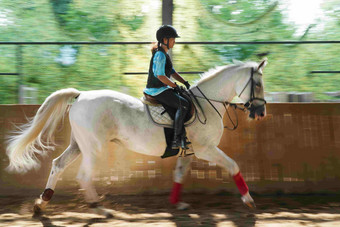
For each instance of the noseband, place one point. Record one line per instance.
(248, 106)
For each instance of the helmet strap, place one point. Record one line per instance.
(167, 43)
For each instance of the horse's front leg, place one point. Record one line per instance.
(182, 168)
(217, 156)
(84, 178)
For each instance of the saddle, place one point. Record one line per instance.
(163, 115)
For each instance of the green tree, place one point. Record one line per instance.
(87, 67)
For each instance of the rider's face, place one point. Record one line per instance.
(171, 41)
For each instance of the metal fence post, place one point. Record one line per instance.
(19, 72)
(167, 15)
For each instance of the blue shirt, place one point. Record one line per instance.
(158, 69)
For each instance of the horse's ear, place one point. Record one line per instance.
(262, 65)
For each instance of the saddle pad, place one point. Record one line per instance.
(160, 117)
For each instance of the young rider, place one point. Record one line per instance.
(162, 88)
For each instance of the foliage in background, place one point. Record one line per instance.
(87, 67)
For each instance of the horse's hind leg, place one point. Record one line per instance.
(58, 166)
(215, 155)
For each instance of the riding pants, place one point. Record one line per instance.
(172, 99)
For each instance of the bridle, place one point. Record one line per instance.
(252, 92)
(248, 106)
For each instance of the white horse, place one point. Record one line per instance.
(98, 117)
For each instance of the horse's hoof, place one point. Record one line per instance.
(37, 211)
(39, 206)
(108, 215)
(250, 205)
(248, 201)
(182, 206)
(102, 211)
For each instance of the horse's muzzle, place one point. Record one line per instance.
(257, 112)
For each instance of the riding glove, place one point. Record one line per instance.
(187, 85)
(177, 89)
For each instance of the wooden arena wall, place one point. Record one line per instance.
(296, 149)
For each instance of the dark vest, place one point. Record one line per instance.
(154, 82)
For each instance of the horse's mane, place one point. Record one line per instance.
(217, 70)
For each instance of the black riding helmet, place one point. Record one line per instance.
(166, 31)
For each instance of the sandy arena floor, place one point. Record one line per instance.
(69, 209)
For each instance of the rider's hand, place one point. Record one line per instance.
(177, 89)
(187, 85)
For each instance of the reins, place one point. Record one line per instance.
(225, 104)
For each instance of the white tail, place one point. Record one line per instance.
(27, 141)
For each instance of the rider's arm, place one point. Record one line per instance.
(178, 77)
(159, 69)
(166, 80)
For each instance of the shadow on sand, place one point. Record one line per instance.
(206, 210)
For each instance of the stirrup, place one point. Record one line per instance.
(175, 144)
(185, 154)
(186, 151)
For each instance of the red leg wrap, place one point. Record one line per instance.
(176, 192)
(240, 183)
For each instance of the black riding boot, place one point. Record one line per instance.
(176, 142)
(181, 105)
(180, 139)
(184, 138)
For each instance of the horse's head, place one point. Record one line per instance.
(250, 89)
